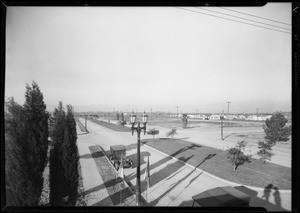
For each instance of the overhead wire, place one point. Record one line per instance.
(242, 18)
(233, 20)
(254, 16)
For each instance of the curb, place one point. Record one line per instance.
(213, 176)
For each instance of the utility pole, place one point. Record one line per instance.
(222, 118)
(256, 114)
(85, 121)
(151, 113)
(228, 102)
(177, 112)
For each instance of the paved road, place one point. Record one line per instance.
(173, 183)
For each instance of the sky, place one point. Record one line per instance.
(143, 58)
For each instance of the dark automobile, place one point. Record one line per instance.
(116, 153)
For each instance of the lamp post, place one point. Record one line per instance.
(138, 168)
(222, 118)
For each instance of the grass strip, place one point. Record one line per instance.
(112, 126)
(214, 161)
(82, 128)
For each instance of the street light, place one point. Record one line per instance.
(222, 118)
(138, 168)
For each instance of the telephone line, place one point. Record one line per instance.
(233, 20)
(255, 16)
(243, 18)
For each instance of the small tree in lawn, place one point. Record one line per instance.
(152, 132)
(172, 132)
(241, 145)
(264, 151)
(237, 157)
(276, 129)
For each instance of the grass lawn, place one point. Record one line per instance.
(215, 162)
(112, 126)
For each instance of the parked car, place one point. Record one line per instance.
(116, 153)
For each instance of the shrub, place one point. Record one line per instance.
(264, 151)
(237, 157)
(152, 132)
(172, 132)
(123, 123)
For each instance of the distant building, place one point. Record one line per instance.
(242, 117)
(214, 117)
(232, 117)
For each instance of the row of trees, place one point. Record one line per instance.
(27, 131)
(63, 158)
(26, 144)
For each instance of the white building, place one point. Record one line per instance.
(214, 117)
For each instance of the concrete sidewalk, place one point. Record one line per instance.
(102, 186)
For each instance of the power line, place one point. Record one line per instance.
(255, 16)
(233, 20)
(243, 18)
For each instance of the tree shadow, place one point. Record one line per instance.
(193, 146)
(92, 155)
(117, 198)
(228, 136)
(161, 176)
(209, 156)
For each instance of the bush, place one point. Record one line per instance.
(237, 157)
(152, 132)
(122, 123)
(264, 151)
(172, 132)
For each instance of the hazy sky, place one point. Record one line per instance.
(124, 58)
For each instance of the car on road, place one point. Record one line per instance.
(118, 152)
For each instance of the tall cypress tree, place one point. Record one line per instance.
(70, 158)
(19, 186)
(23, 165)
(36, 118)
(56, 167)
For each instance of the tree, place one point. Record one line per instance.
(152, 132)
(172, 132)
(121, 117)
(237, 157)
(264, 151)
(241, 145)
(117, 116)
(70, 159)
(26, 144)
(64, 158)
(57, 182)
(19, 187)
(36, 118)
(276, 129)
(184, 121)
